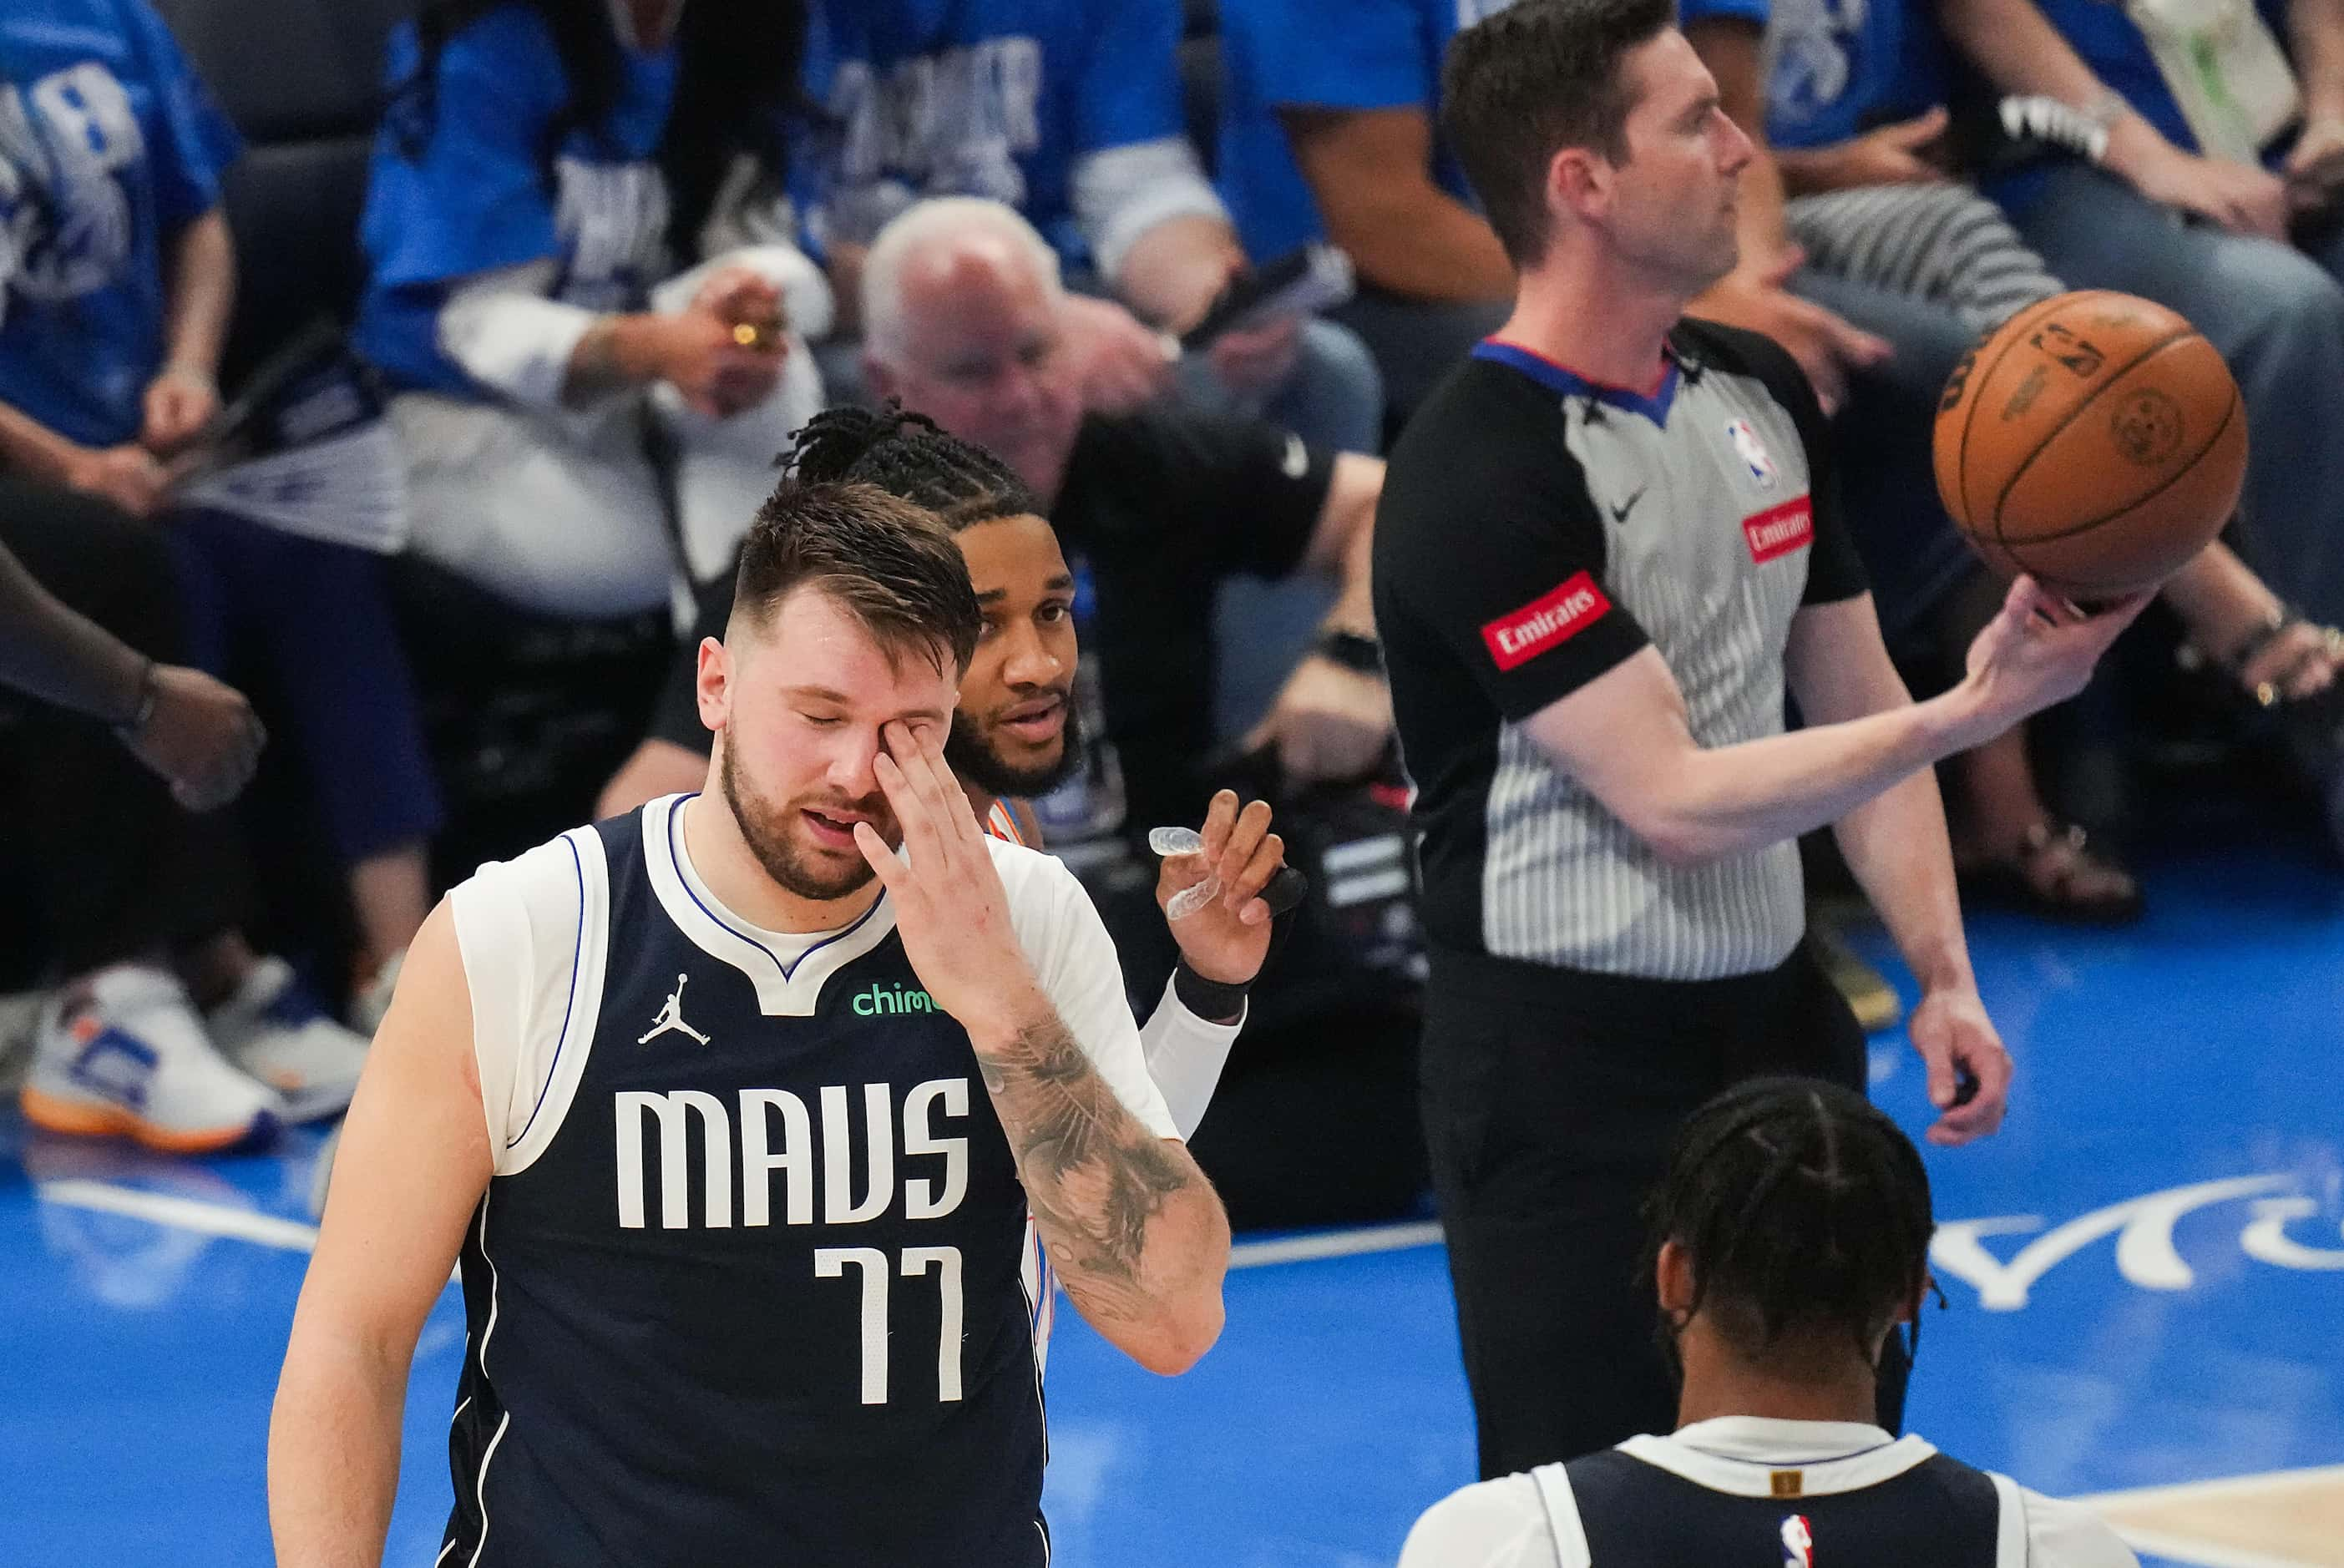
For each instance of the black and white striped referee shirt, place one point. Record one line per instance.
(1537, 528)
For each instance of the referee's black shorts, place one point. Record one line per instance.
(1550, 1098)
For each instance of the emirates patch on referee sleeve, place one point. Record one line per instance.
(1545, 622)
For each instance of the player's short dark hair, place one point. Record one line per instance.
(887, 560)
(910, 455)
(1804, 1213)
(1521, 86)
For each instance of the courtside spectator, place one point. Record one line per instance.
(543, 167)
(1069, 111)
(116, 280)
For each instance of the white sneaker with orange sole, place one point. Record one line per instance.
(123, 1053)
(272, 1027)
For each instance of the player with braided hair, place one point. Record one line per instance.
(1789, 1238)
(1016, 732)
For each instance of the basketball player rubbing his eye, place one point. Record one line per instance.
(1609, 545)
(830, 1359)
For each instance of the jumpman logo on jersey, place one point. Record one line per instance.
(671, 1018)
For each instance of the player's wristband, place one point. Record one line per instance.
(1212, 1000)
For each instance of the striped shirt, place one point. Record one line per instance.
(1536, 530)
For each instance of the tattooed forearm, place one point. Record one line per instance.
(1098, 1182)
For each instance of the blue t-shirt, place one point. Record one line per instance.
(479, 197)
(1838, 68)
(997, 99)
(109, 146)
(1331, 54)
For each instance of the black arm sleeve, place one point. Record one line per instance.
(1489, 550)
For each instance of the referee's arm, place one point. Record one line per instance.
(1625, 735)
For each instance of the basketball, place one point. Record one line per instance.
(2095, 440)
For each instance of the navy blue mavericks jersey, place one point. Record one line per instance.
(1932, 1512)
(746, 1290)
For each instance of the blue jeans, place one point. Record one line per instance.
(2277, 315)
(318, 616)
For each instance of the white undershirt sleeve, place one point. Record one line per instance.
(2063, 1534)
(520, 930)
(1186, 1056)
(1121, 193)
(1497, 1524)
(1075, 960)
(504, 333)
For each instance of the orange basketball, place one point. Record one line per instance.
(2095, 440)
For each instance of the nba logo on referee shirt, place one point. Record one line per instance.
(1798, 1543)
(1753, 450)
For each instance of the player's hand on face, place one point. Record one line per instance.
(175, 406)
(1957, 1040)
(202, 737)
(949, 903)
(1329, 724)
(2039, 649)
(1118, 362)
(1227, 940)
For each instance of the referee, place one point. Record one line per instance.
(1610, 546)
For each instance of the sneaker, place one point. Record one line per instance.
(369, 1007)
(273, 1028)
(123, 1052)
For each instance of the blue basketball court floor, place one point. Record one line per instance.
(2144, 1277)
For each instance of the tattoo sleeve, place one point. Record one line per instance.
(1096, 1179)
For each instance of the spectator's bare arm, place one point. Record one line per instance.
(2020, 52)
(2315, 166)
(202, 289)
(1370, 172)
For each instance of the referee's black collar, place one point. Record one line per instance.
(1567, 382)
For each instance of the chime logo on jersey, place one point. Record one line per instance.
(1798, 1543)
(1780, 530)
(1544, 621)
(1754, 452)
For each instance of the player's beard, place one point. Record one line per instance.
(766, 830)
(975, 763)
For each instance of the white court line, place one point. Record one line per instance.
(1334, 1244)
(183, 1213)
(267, 1231)
(2217, 1487)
